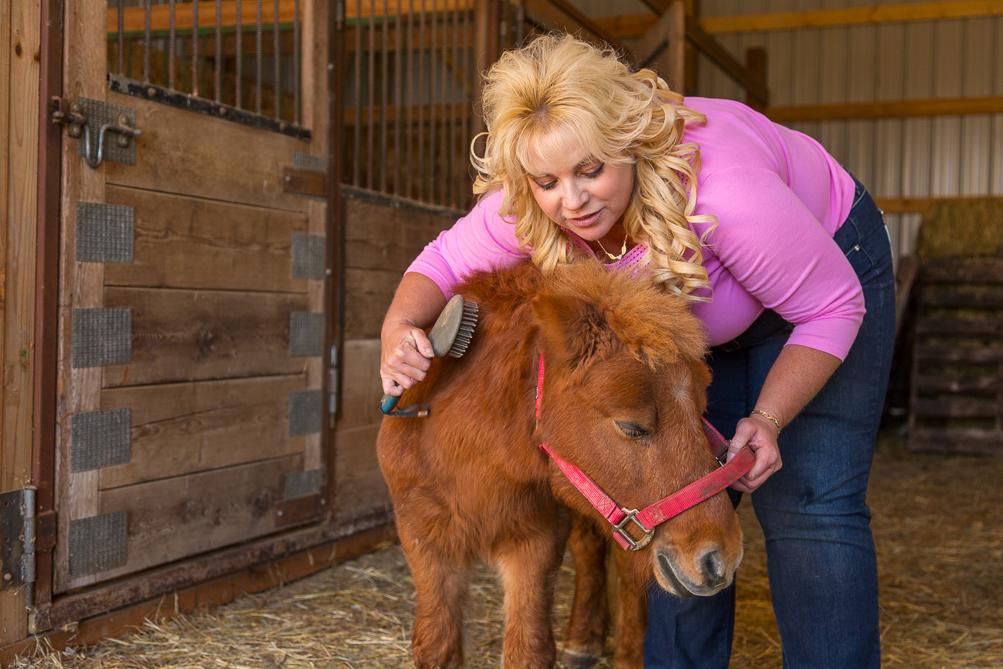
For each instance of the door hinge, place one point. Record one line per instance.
(92, 120)
(17, 541)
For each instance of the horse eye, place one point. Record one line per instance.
(631, 430)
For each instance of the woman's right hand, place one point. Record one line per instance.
(405, 356)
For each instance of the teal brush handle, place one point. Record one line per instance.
(388, 403)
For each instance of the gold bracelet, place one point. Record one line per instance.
(768, 416)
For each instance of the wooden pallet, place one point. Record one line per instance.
(956, 396)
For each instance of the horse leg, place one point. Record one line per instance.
(440, 585)
(631, 614)
(528, 568)
(586, 636)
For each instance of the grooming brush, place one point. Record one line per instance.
(450, 336)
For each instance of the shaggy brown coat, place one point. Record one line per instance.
(624, 392)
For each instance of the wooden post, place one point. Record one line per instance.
(691, 67)
(663, 46)
(676, 50)
(755, 64)
(20, 31)
(487, 28)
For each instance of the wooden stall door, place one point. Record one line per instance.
(192, 328)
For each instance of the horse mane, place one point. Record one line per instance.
(589, 300)
(590, 310)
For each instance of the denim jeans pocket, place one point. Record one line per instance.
(860, 260)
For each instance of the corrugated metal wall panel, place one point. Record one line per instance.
(976, 81)
(915, 157)
(862, 77)
(945, 165)
(833, 78)
(996, 133)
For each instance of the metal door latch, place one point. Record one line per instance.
(84, 118)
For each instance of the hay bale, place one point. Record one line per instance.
(965, 228)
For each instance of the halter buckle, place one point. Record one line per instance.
(621, 529)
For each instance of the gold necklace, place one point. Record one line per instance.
(623, 249)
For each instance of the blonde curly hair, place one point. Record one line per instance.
(558, 83)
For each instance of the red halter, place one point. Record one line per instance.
(652, 516)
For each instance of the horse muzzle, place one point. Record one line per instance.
(705, 574)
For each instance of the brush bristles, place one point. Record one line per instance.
(465, 334)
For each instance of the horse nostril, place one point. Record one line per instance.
(712, 565)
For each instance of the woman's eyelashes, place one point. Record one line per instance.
(590, 174)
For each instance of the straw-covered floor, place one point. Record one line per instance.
(937, 522)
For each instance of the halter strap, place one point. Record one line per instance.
(647, 519)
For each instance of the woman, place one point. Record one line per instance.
(782, 255)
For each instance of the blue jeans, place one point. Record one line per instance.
(820, 553)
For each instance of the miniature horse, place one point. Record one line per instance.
(625, 390)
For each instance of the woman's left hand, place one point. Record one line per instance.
(761, 437)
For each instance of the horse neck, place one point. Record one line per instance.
(501, 381)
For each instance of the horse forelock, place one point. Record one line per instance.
(594, 309)
(653, 325)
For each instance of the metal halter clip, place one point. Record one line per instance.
(621, 529)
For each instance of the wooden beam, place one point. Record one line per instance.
(917, 205)
(905, 277)
(720, 56)
(891, 109)
(625, 26)
(134, 18)
(587, 23)
(629, 26)
(655, 49)
(827, 18)
(755, 65)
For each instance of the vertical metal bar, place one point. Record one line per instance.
(130, 50)
(412, 72)
(371, 85)
(444, 88)
(195, 47)
(422, 99)
(257, 56)
(357, 143)
(171, 45)
(239, 53)
(121, 38)
(276, 56)
(433, 99)
(383, 98)
(454, 138)
(468, 42)
(520, 23)
(334, 232)
(296, 61)
(146, 43)
(398, 97)
(218, 73)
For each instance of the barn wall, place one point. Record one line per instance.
(894, 157)
(382, 236)
(19, 80)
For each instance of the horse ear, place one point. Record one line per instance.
(572, 329)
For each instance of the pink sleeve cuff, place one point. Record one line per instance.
(834, 336)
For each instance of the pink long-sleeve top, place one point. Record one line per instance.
(778, 197)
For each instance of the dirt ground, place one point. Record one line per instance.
(936, 520)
